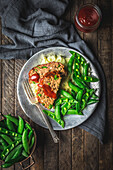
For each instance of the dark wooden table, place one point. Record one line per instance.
(77, 149)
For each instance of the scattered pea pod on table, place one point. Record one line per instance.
(16, 140)
(81, 93)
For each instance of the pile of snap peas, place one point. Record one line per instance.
(16, 140)
(81, 94)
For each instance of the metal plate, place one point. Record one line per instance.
(32, 112)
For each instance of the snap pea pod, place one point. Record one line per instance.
(21, 125)
(78, 82)
(85, 69)
(8, 149)
(66, 94)
(24, 153)
(52, 115)
(25, 141)
(10, 155)
(61, 101)
(74, 87)
(89, 79)
(12, 119)
(73, 112)
(30, 136)
(28, 126)
(85, 98)
(57, 112)
(17, 153)
(73, 94)
(94, 96)
(70, 63)
(9, 132)
(78, 98)
(4, 144)
(10, 125)
(92, 101)
(8, 164)
(72, 52)
(6, 138)
(65, 108)
(32, 142)
(76, 70)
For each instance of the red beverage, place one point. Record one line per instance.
(87, 18)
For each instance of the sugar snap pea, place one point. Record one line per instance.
(74, 87)
(4, 144)
(79, 97)
(25, 141)
(73, 94)
(8, 149)
(10, 125)
(9, 132)
(65, 107)
(6, 138)
(57, 112)
(73, 112)
(70, 63)
(61, 101)
(24, 153)
(92, 101)
(21, 125)
(12, 119)
(78, 82)
(66, 94)
(17, 153)
(32, 142)
(72, 52)
(30, 136)
(85, 69)
(28, 126)
(10, 155)
(89, 79)
(52, 115)
(8, 164)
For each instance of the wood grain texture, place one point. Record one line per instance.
(18, 111)
(77, 133)
(105, 56)
(39, 152)
(91, 143)
(8, 86)
(0, 76)
(65, 150)
(50, 152)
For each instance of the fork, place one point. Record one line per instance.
(31, 96)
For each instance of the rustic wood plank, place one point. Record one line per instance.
(0, 76)
(50, 152)
(18, 111)
(8, 89)
(39, 151)
(91, 144)
(106, 58)
(65, 150)
(77, 133)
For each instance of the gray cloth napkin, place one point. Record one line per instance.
(34, 25)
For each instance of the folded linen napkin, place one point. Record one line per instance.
(34, 25)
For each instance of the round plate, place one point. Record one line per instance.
(32, 111)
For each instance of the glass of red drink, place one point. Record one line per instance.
(88, 18)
